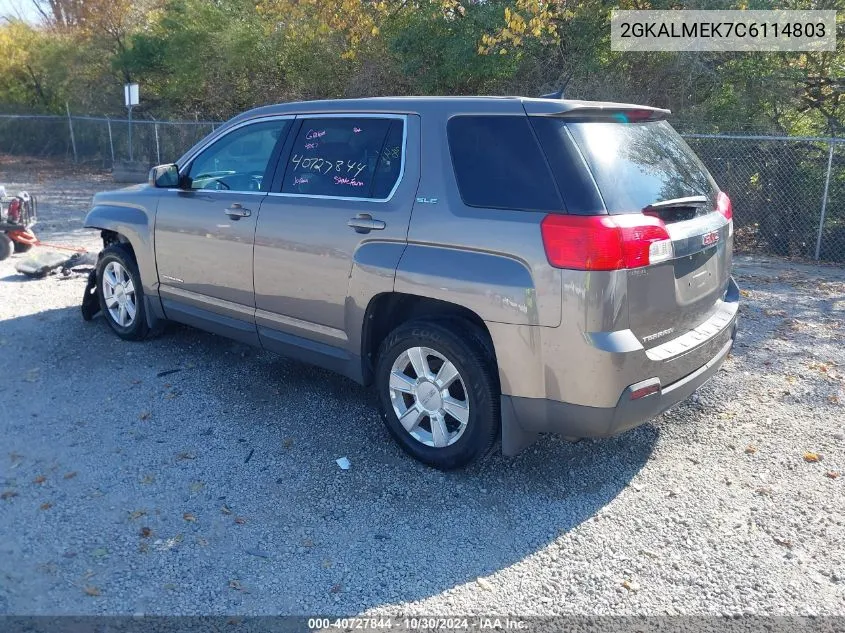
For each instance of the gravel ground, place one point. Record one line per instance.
(214, 488)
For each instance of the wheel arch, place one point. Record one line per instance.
(110, 238)
(388, 310)
(132, 228)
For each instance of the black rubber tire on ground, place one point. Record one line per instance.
(455, 340)
(22, 248)
(6, 247)
(138, 329)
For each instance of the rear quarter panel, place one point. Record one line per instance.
(488, 260)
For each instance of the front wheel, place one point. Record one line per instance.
(438, 392)
(121, 294)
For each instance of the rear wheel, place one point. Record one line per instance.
(438, 392)
(121, 294)
(6, 247)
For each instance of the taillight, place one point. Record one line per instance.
(724, 206)
(605, 242)
(14, 210)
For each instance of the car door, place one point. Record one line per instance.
(204, 231)
(346, 182)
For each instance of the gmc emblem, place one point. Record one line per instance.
(710, 238)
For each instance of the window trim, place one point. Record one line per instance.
(186, 166)
(353, 115)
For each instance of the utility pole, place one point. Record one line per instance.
(130, 94)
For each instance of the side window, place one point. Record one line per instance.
(498, 164)
(239, 161)
(389, 168)
(345, 157)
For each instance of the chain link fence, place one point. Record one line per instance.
(99, 140)
(788, 193)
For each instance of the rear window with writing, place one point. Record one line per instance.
(345, 157)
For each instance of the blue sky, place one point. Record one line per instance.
(19, 8)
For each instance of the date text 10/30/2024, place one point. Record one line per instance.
(418, 624)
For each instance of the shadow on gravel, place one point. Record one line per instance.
(16, 278)
(232, 459)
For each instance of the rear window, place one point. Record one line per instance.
(498, 164)
(634, 164)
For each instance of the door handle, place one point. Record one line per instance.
(364, 223)
(236, 211)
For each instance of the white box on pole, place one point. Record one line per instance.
(130, 94)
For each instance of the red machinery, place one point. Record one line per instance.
(17, 216)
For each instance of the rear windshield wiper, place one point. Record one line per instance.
(689, 201)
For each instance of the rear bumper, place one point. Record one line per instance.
(540, 415)
(524, 418)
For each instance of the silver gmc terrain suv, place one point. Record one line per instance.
(494, 266)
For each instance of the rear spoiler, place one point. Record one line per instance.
(626, 115)
(594, 110)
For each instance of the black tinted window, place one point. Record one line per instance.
(238, 160)
(498, 164)
(638, 164)
(342, 157)
(573, 178)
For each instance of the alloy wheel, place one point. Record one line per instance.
(119, 294)
(429, 397)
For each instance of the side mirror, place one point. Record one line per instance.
(164, 176)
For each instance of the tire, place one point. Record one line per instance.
(118, 297)
(442, 439)
(22, 248)
(6, 247)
